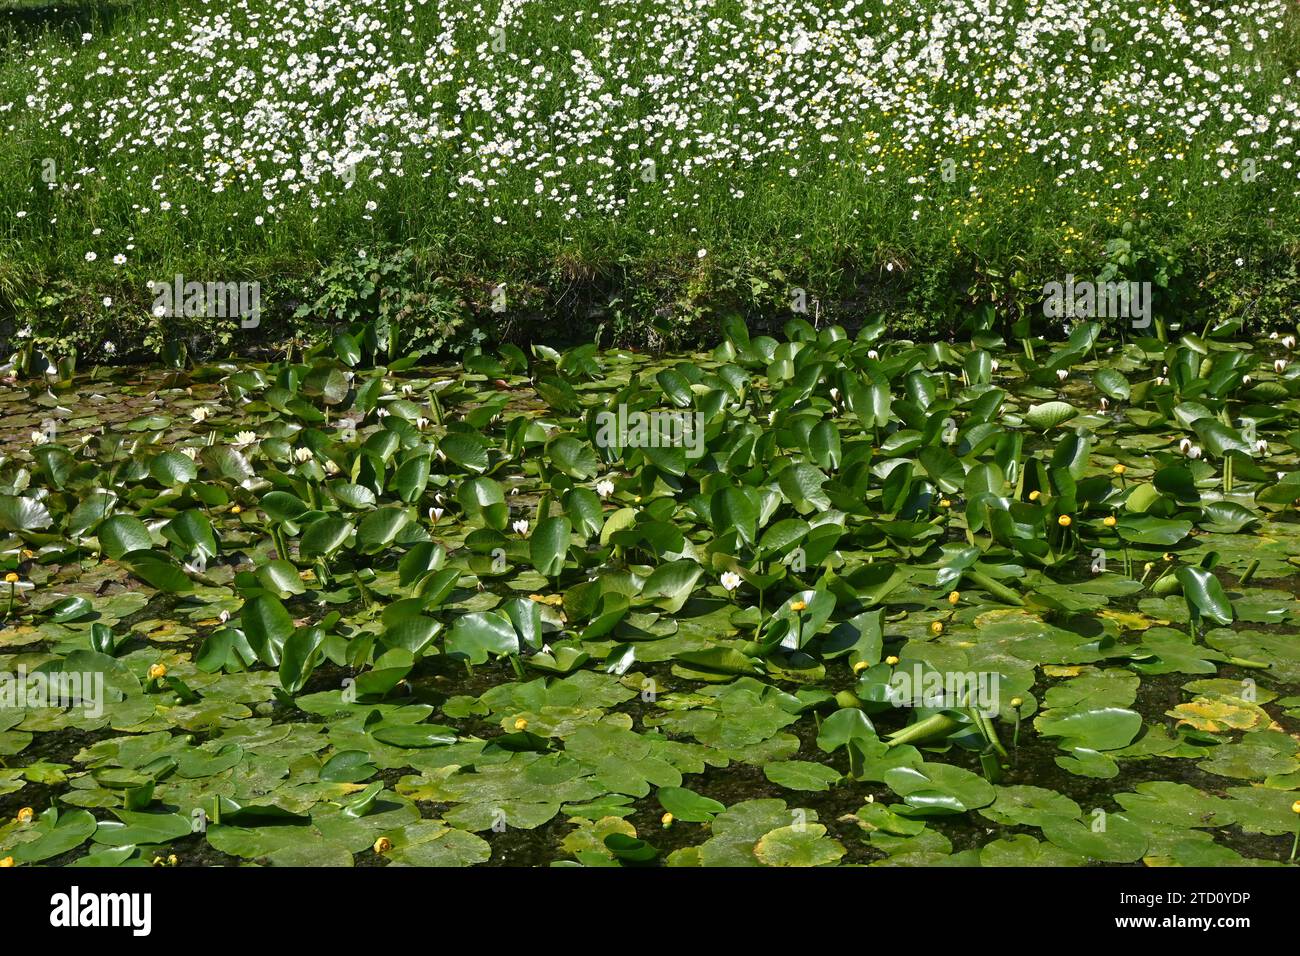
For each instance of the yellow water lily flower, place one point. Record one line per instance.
(25, 815)
(954, 597)
(936, 627)
(11, 578)
(383, 845)
(1064, 521)
(860, 666)
(7, 861)
(1035, 495)
(521, 723)
(666, 820)
(1119, 469)
(1108, 521)
(157, 671)
(798, 605)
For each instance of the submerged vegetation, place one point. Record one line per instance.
(809, 601)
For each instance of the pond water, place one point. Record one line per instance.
(353, 615)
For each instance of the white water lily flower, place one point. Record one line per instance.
(1185, 446)
(422, 423)
(435, 514)
(244, 438)
(1261, 446)
(1062, 374)
(331, 468)
(39, 438)
(190, 453)
(201, 413)
(730, 580)
(223, 617)
(301, 454)
(604, 488)
(520, 526)
(994, 365)
(1194, 452)
(1288, 341)
(1105, 403)
(872, 354)
(1279, 366)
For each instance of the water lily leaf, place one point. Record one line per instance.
(23, 514)
(1020, 849)
(1097, 728)
(132, 828)
(324, 536)
(476, 636)
(377, 530)
(1111, 838)
(548, 545)
(936, 789)
(171, 468)
(798, 845)
(121, 534)
(267, 625)
(1165, 803)
(348, 766)
(430, 843)
(468, 452)
(54, 834)
(1220, 714)
(802, 775)
(848, 723)
(280, 578)
(413, 735)
(687, 805)
(1204, 592)
(1112, 383)
(1029, 806)
(157, 570)
(301, 654)
(670, 585)
(1050, 414)
(1248, 761)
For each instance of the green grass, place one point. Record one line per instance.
(147, 111)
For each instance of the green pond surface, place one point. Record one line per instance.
(971, 603)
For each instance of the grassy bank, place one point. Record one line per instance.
(535, 169)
